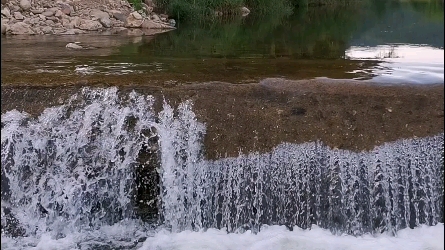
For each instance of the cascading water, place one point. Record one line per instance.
(396, 185)
(73, 168)
(76, 170)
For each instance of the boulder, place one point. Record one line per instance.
(6, 12)
(65, 22)
(76, 21)
(48, 13)
(14, 8)
(90, 25)
(49, 22)
(136, 15)
(132, 22)
(18, 16)
(119, 15)
(58, 13)
(106, 22)
(98, 14)
(25, 5)
(47, 30)
(66, 9)
(20, 28)
(156, 18)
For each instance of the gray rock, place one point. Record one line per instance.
(58, 13)
(49, 22)
(148, 10)
(106, 22)
(47, 30)
(48, 13)
(37, 11)
(66, 9)
(53, 18)
(18, 16)
(118, 15)
(4, 27)
(156, 18)
(245, 11)
(58, 31)
(25, 5)
(90, 25)
(14, 8)
(150, 24)
(132, 22)
(172, 22)
(35, 20)
(136, 15)
(53, 9)
(73, 46)
(42, 17)
(65, 22)
(20, 28)
(76, 21)
(6, 12)
(99, 14)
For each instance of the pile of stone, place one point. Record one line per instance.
(69, 17)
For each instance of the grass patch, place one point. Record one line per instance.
(137, 4)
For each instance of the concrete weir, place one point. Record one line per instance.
(348, 156)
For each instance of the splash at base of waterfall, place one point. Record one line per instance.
(273, 237)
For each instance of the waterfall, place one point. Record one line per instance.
(78, 167)
(73, 167)
(396, 185)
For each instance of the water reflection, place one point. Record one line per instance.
(400, 63)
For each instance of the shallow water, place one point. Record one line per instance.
(394, 42)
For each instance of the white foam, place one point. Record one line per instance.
(278, 237)
(271, 237)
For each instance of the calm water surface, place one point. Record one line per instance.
(386, 42)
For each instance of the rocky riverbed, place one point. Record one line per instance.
(70, 17)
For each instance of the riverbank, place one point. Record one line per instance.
(26, 17)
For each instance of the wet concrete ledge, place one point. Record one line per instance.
(242, 118)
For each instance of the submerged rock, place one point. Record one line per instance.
(149, 24)
(73, 46)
